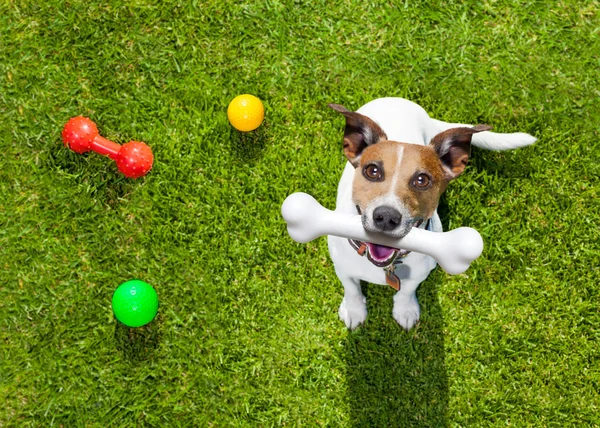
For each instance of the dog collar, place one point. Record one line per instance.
(391, 278)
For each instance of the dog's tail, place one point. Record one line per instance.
(492, 140)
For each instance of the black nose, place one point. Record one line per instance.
(386, 218)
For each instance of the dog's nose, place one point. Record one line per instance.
(386, 218)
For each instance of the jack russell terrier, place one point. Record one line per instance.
(400, 161)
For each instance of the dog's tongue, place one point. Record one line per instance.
(380, 252)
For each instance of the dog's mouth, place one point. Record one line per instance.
(380, 255)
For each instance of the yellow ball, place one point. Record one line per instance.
(245, 112)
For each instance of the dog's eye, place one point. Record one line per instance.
(373, 172)
(421, 181)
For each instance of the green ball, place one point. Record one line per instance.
(135, 303)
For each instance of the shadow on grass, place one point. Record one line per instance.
(248, 147)
(138, 344)
(397, 378)
(513, 164)
(97, 174)
(443, 211)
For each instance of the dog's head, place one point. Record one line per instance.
(398, 185)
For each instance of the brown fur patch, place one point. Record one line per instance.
(385, 154)
(399, 173)
(421, 160)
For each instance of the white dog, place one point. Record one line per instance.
(399, 163)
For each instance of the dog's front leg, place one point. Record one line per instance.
(406, 310)
(353, 310)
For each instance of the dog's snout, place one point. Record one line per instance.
(386, 218)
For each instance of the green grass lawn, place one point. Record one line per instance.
(247, 333)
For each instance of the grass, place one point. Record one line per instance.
(248, 333)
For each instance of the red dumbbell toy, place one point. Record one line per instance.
(134, 159)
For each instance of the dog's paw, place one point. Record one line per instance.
(406, 311)
(353, 311)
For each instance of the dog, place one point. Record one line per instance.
(400, 161)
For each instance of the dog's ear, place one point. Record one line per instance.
(360, 133)
(453, 147)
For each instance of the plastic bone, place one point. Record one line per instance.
(307, 220)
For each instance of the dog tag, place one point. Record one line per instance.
(391, 278)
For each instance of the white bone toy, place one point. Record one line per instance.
(307, 220)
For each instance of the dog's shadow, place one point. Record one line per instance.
(397, 378)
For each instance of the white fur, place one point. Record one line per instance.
(406, 122)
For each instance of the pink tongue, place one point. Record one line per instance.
(380, 252)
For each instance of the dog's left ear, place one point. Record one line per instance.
(360, 133)
(453, 147)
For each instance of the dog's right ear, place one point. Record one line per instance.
(360, 133)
